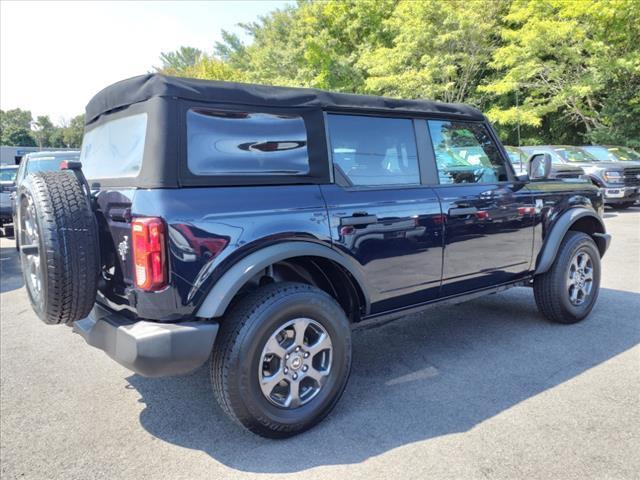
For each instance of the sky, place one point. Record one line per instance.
(54, 56)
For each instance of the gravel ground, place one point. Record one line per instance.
(486, 389)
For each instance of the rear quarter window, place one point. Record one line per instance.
(223, 142)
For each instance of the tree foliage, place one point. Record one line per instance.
(15, 128)
(179, 60)
(561, 70)
(18, 128)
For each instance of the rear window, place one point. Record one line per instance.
(115, 148)
(50, 163)
(223, 142)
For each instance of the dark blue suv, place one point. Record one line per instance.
(257, 226)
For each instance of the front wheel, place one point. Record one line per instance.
(282, 359)
(569, 290)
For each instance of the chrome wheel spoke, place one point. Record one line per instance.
(319, 376)
(300, 326)
(273, 347)
(323, 343)
(267, 384)
(293, 399)
(573, 294)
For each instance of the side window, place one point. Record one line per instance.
(245, 143)
(465, 153)
(374, 151)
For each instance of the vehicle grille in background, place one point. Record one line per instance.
(632, 177)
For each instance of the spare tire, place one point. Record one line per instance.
(59, 251)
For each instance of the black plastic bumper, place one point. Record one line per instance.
(151, 349)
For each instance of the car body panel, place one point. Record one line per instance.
(400, 251)
(491, 244)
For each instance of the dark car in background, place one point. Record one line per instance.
(520, 159)
(619, 181)
(7, 187)
(37, 162)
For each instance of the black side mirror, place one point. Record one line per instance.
(539, 167)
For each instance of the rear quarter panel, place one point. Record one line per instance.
(210, 228)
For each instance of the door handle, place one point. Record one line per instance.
(358, 219)
(462, 212)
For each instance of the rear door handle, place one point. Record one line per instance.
(462, 212)
(358, 219)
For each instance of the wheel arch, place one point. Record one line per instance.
(313, 263)
(576, 219)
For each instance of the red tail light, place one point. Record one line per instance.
(149, 255)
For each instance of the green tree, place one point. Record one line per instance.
(314, 44)
(72, 133)
(176, 62)
(44, 130)
(15, 128)
(563, 57)
(440, 50)
(545, 71)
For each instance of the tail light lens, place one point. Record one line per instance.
(149, 253)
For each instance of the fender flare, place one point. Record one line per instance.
(218, 299)
(560, 228)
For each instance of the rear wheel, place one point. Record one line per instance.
(282, 359)
(569, 290)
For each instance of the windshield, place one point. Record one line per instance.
(8, 174)
(574, 155)
(623, 154)
(46, 164)
(114, 149)
(603, 154)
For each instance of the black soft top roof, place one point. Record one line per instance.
(141, 88)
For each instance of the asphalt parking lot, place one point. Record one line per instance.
(486, 389)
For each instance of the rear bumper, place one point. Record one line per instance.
(150, 349)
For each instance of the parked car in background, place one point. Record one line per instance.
(519, 159)
(7, 187)
(255, 226)
(619, 182)
(37, 162)
(612, 153)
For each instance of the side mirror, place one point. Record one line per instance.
(539, 167)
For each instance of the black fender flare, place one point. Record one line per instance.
(560, 228)
(219, 297)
